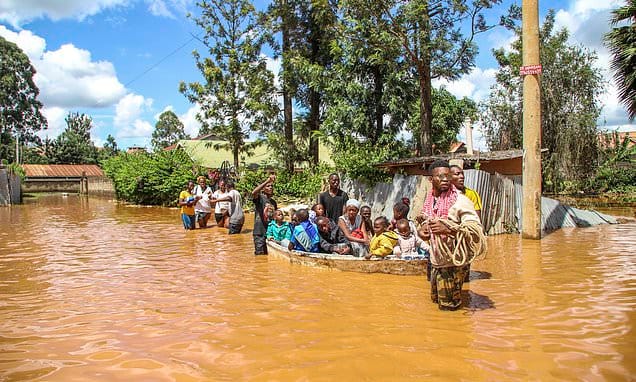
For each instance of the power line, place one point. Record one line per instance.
(194, 37)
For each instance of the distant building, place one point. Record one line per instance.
(136, 149)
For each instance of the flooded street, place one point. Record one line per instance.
(91, 290)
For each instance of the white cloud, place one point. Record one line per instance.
(18, 12)
(189, 119)
(67, 77)
(159, 8)
(587, 21)
(128, 122)
(475, 85)
(55, 117)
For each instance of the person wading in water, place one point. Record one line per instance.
(449, 221)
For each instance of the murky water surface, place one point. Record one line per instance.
(95, 291)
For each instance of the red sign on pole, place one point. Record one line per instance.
(530, 69)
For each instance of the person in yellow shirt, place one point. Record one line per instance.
(457, 179)
(383, 240)
(187, 201)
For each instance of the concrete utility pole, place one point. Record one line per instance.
(531, 220)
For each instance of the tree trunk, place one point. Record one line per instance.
(314, 125)
(377, 99)
(424, 71)
(287, 99)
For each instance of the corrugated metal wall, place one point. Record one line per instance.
(501, 197)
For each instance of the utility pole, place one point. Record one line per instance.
(531, 70)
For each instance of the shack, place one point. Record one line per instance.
(78, 178)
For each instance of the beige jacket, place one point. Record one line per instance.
(461, 212)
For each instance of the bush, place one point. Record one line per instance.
(299, 185)
(151, 179)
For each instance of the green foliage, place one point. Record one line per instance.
(621, 41)
(168, 131)
(238, 96)
(151, 179)
(298, 185)
(74, 145)
(20, 114)
(357, 159)
(570, 91)
(617, 172)
(436, 41)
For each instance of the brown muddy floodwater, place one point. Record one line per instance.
(91, 290)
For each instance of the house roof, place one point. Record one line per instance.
(62, 170)
(210, 154)
(477, 156)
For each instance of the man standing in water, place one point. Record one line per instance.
(264, 207)
(457, 178)
(333, 199)
(449, 221)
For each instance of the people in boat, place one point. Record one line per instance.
(187, 201)
(203, 208)
(237, 217)
(305, 235)
(384, 240)
(401, 211)
(352, 226)
(278, 230)
(446, 213)
(457, 178)
(332, 239)
(409, 243)
(221, 205)
(316, 211)
(334, 199)
(365, 212)
(262, 197)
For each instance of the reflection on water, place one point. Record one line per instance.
(93, 290)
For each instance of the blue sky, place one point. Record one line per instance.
(121, 61)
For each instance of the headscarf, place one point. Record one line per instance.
(444, 202)
(353, 203)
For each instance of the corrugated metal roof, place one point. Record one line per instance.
(62, 170)
(204, 153)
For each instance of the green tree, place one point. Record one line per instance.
(20, 116)
(238, 96)
(437, 41)
(621, 41)
(74, 145)
(168, 131)
(570, 90)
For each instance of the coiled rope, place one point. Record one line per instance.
(469, 242)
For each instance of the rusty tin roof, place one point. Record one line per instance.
(61, 170)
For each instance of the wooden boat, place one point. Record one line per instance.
(391, 265)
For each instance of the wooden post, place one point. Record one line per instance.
(531, 212)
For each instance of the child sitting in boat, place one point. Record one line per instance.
(383, 240)
(332, 239)
(305, 235)
(278, 230)
(409, 244)
(365, 212)
(316, 211)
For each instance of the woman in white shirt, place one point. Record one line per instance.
(221, 208)
(203, 208)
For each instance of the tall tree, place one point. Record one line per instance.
(74, 145)
(168, 131)
(621, 41)
(437, 39)
(238, 96)
(570, 90)
(20, 116)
